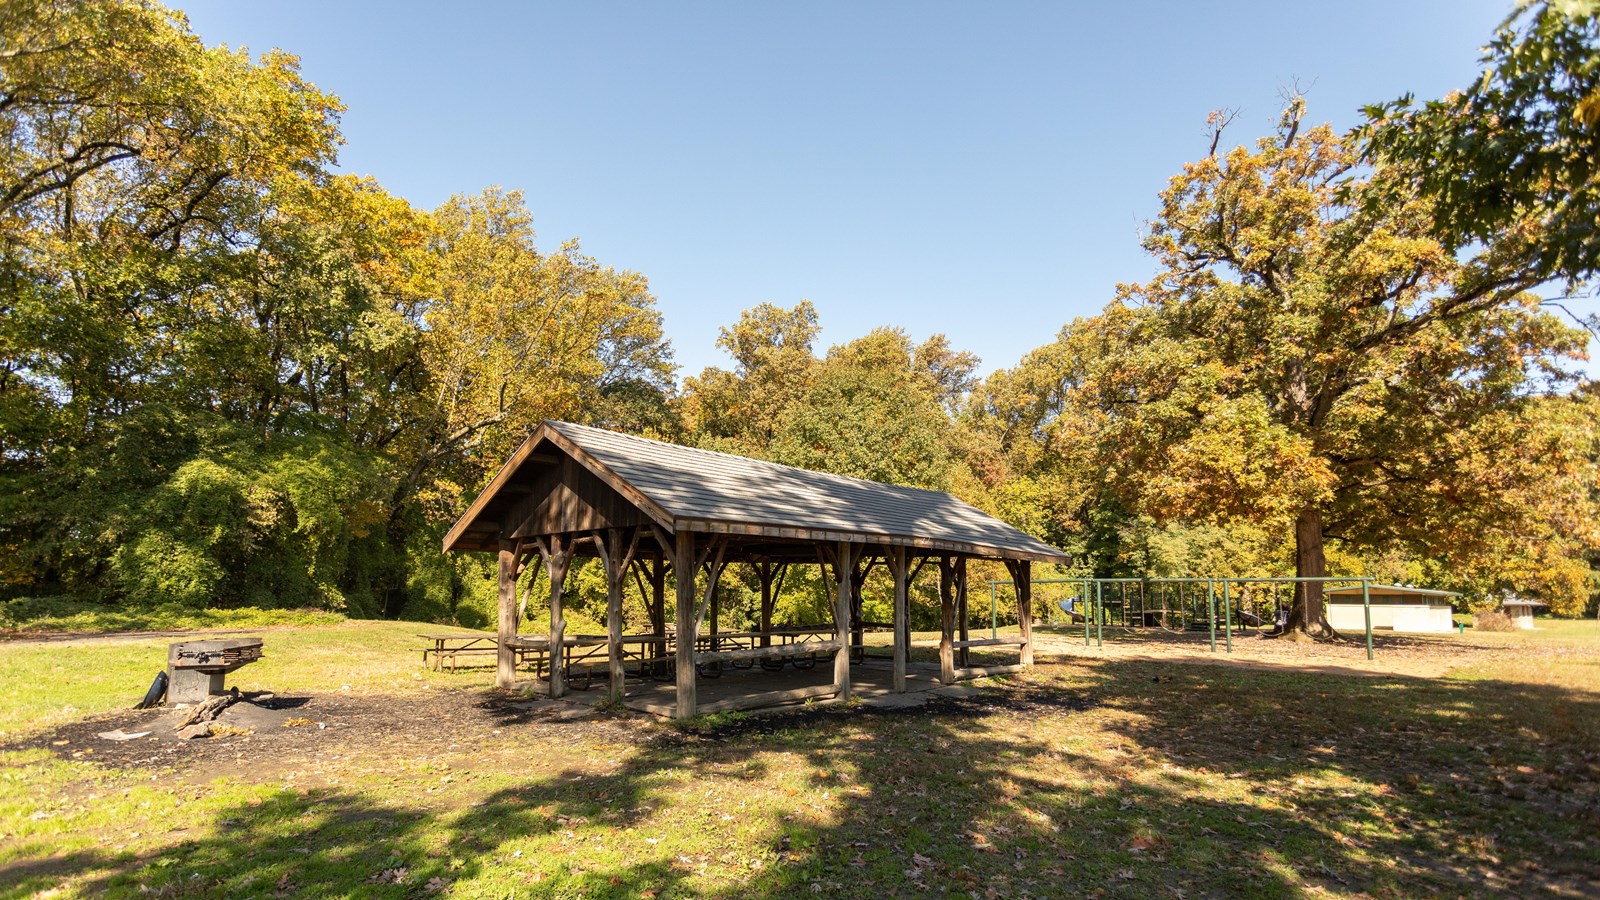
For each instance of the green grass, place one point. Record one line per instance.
(1126, 778)
(46, 683)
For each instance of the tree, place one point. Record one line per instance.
(138, 171)
(1518, 152)
(228, 375)
(517, 336)
(738, 411)
(1328, 367)
(872, 411)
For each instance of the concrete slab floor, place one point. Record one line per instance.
(872, 682)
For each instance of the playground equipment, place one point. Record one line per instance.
(1175, 605)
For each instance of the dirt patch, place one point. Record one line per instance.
(260, 739)
(1016, 703)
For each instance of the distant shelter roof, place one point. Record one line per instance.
(1389, 590)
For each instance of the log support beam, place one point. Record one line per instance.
(963, 619)
(1022, 577)
(845, 558)
(506, 656)
(899, 569)
(616, 556)
(683, 564)
(557, 553)
(947, 620)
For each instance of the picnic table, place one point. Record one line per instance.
(779, 637)
(583, 654)
(448, 646)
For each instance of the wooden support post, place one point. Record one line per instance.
(619, 674)
(683, 564)
(858, 629)
(716, 610)
(964, 657)
(557, 553)
(1022, 575)
(947, 620)
(658, 612)
(615, 557)
(844, 568)
(899, 569)
(506, 656)
(766, 571)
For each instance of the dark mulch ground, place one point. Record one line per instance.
(283, 728)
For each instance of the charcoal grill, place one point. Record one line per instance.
(198, 669)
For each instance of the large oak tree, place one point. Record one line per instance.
(1331, 370)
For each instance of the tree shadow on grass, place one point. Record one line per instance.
(1474, 786)
(1071, 780)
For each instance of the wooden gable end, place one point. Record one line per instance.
(565, 497)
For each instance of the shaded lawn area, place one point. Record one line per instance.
(1101, 777)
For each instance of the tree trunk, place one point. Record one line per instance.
(1307, 615)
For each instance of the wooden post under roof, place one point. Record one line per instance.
(964, 656)
(947, 620)
(899, 569)
(767, 572)
(615, 556)
(658, 609)
(1022, 577)
(557, 552)
(619, 675)
(716, 610)
(683, 564)
(506, 655)
(858, 580)
(843, 568)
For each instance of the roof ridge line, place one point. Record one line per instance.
(765, 462)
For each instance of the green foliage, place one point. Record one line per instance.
(232, 378)
(869, 414)
(1301, 362)
(229, 376)
(269, 525)
(1516, 153)
(737, 411)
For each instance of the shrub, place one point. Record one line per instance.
(46, 614)
(1492, 620)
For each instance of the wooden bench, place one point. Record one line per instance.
(988, 642)
(963, 673)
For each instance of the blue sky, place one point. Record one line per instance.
(979, 169)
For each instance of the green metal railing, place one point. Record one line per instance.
(1097, 604)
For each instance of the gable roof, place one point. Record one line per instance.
(703, 490)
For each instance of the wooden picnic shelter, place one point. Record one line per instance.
(645, 508)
